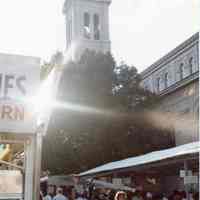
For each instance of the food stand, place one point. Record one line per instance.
(162, 169)
(19, 82)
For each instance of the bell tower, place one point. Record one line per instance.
(87, 26)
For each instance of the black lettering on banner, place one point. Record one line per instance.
(6, 112)
(12, 112)
(8, 84)
(19, 83)
(18, 113)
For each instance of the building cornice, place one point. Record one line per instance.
(180, 84)
(171, 55)
(65, 5)
(69, 1)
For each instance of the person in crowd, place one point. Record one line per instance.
(59, 195)
(177, 195)
(80, 197)
(120, 196)
(50, 192)
(158, 196)
(137, 195)
(41, 195)
(112, 195)
(129, 195)
(86, 194)
(164, 198)
(196, 196)
(183, 195)
(149, 196)
(72, 194)
(191, 196)
(94, 194)
(103, 196)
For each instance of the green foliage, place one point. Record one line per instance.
(102, 119)
(45, 70)
(128, 91)
(56, 59)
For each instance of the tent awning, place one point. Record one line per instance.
(58, 180)
(187, 149)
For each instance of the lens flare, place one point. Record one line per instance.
(45, 102)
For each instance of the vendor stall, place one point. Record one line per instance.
(166, 170)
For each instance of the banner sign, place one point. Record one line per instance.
(190, 180)
(117, 181)
(10, 183)
(126, 181)
(19, 82)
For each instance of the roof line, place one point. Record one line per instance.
(183, 45)
(185, 149)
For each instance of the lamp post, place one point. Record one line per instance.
(47, 94)
(38, 159)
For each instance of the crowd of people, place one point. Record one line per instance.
(61, 194)
(108, 194)
(141, 195)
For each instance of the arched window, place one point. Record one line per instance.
(87, 31)
(181, 71)
(191, 65)
(158, 84)
(96, 27)
(166, 79)
(69, 32)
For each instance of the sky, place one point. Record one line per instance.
(141, 31)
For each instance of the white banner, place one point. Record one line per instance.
(190, 180)
(19, 82)
(117, 181)
(10, 182)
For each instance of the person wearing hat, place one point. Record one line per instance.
(120, 196)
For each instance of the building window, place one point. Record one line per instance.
(166, 79)
(87, 31)
(96, 27)
(158, 84)
(181, 71)
(191, 65)
(69, 32)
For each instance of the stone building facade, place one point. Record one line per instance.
(87, 26)
(175, 78)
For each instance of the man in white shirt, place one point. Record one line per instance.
(60, 195)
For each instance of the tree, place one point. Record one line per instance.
(102, 116)
(45, 70)
(128, 91)
(56, 59)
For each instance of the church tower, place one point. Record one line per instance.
(87, 26)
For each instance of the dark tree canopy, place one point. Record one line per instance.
(102, 119)
(56, 59)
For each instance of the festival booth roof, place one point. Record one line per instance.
(149, 158)
(58, 180)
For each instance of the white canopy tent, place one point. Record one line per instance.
(183, 150)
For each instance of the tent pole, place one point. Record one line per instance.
(38, 164)
(186, 173)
